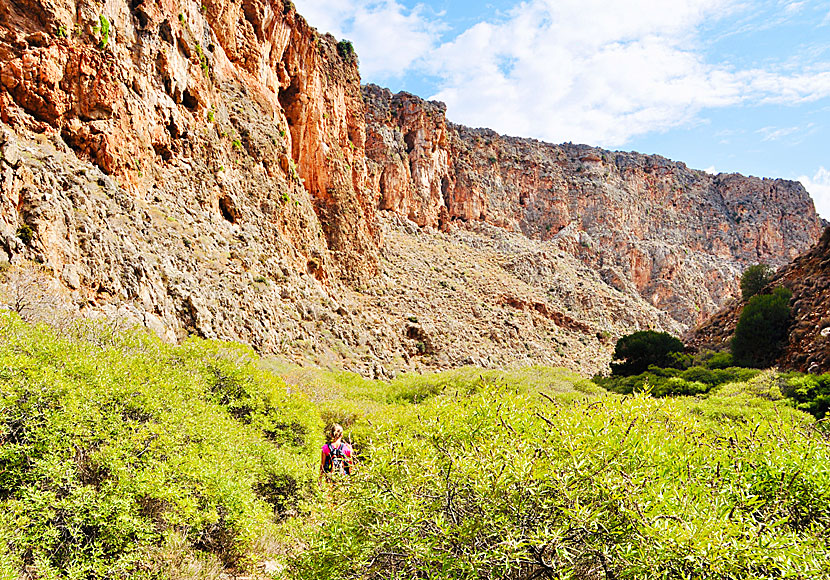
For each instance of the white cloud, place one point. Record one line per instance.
(389, 38)
(711, 170)
(794, 7)
(586, 71)
(775, 133)
(819, 188)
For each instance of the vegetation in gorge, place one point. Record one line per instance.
(125, 457)
(116, 449)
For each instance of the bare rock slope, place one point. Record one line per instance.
(216, 169)
(680, 237)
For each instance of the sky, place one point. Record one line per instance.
(722, 85)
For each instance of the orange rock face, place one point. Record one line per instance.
(680, 236)
(217, 169)
(126, 84)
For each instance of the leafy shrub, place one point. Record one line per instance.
(810, 393)
(639, 350)
(105, 31)
(661, 382)
(754, 279)
(110, 450)
(761, 329)
(720, 360)
(345, 49)
(504, 485)
(25, 234)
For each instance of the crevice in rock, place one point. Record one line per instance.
(189, 101)
(228, 209)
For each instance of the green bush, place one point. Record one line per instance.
(661, 382)
(345, 49)
(754, 279)
(720, 360)
(503, 485)
(112, 449)
(25, 234)
(761, 329)
(639, 350)
(810, 393)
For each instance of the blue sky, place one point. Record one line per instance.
(722, 85)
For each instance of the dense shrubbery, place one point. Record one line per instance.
(810, 393)
(124, 457)
(636, 352)
(501, 484)
(754, 279)
(660, 382)
(761, 329)
(113, 457)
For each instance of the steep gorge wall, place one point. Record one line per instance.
(807, 348)
(247, 88)
(216, 169)
(680, 237)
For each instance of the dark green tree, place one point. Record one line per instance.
(637, 351)
(762, 329)
(754, 279)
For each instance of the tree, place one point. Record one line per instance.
(754, 279)
(761, 329)
(637, 351)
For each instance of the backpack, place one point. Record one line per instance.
(337, 461)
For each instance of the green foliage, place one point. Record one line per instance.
(754, 279)
(25, 234)
(203, 61)
(113, 446)
(810, 393)
(105, 31)
(345, 49)
(502, 484)
(662, 382)
(639, 350)
(720, 360)
(123, 457)
(762, 328)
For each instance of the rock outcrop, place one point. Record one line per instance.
(808, 342)
(216, 169)
(679, 236)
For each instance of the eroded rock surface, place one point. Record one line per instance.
(679, 236)
(216, 169)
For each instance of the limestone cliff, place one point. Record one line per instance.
(678, 236)
(215, 169)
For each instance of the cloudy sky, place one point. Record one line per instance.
(723, 85)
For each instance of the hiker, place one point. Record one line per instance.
(336, 457)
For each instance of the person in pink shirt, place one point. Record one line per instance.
(336, 456)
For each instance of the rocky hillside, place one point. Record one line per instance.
(808, 346)
(677, 236)
(216, 169)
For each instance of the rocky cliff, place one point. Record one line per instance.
(679, 237)
(215, 169)
(808, 342)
